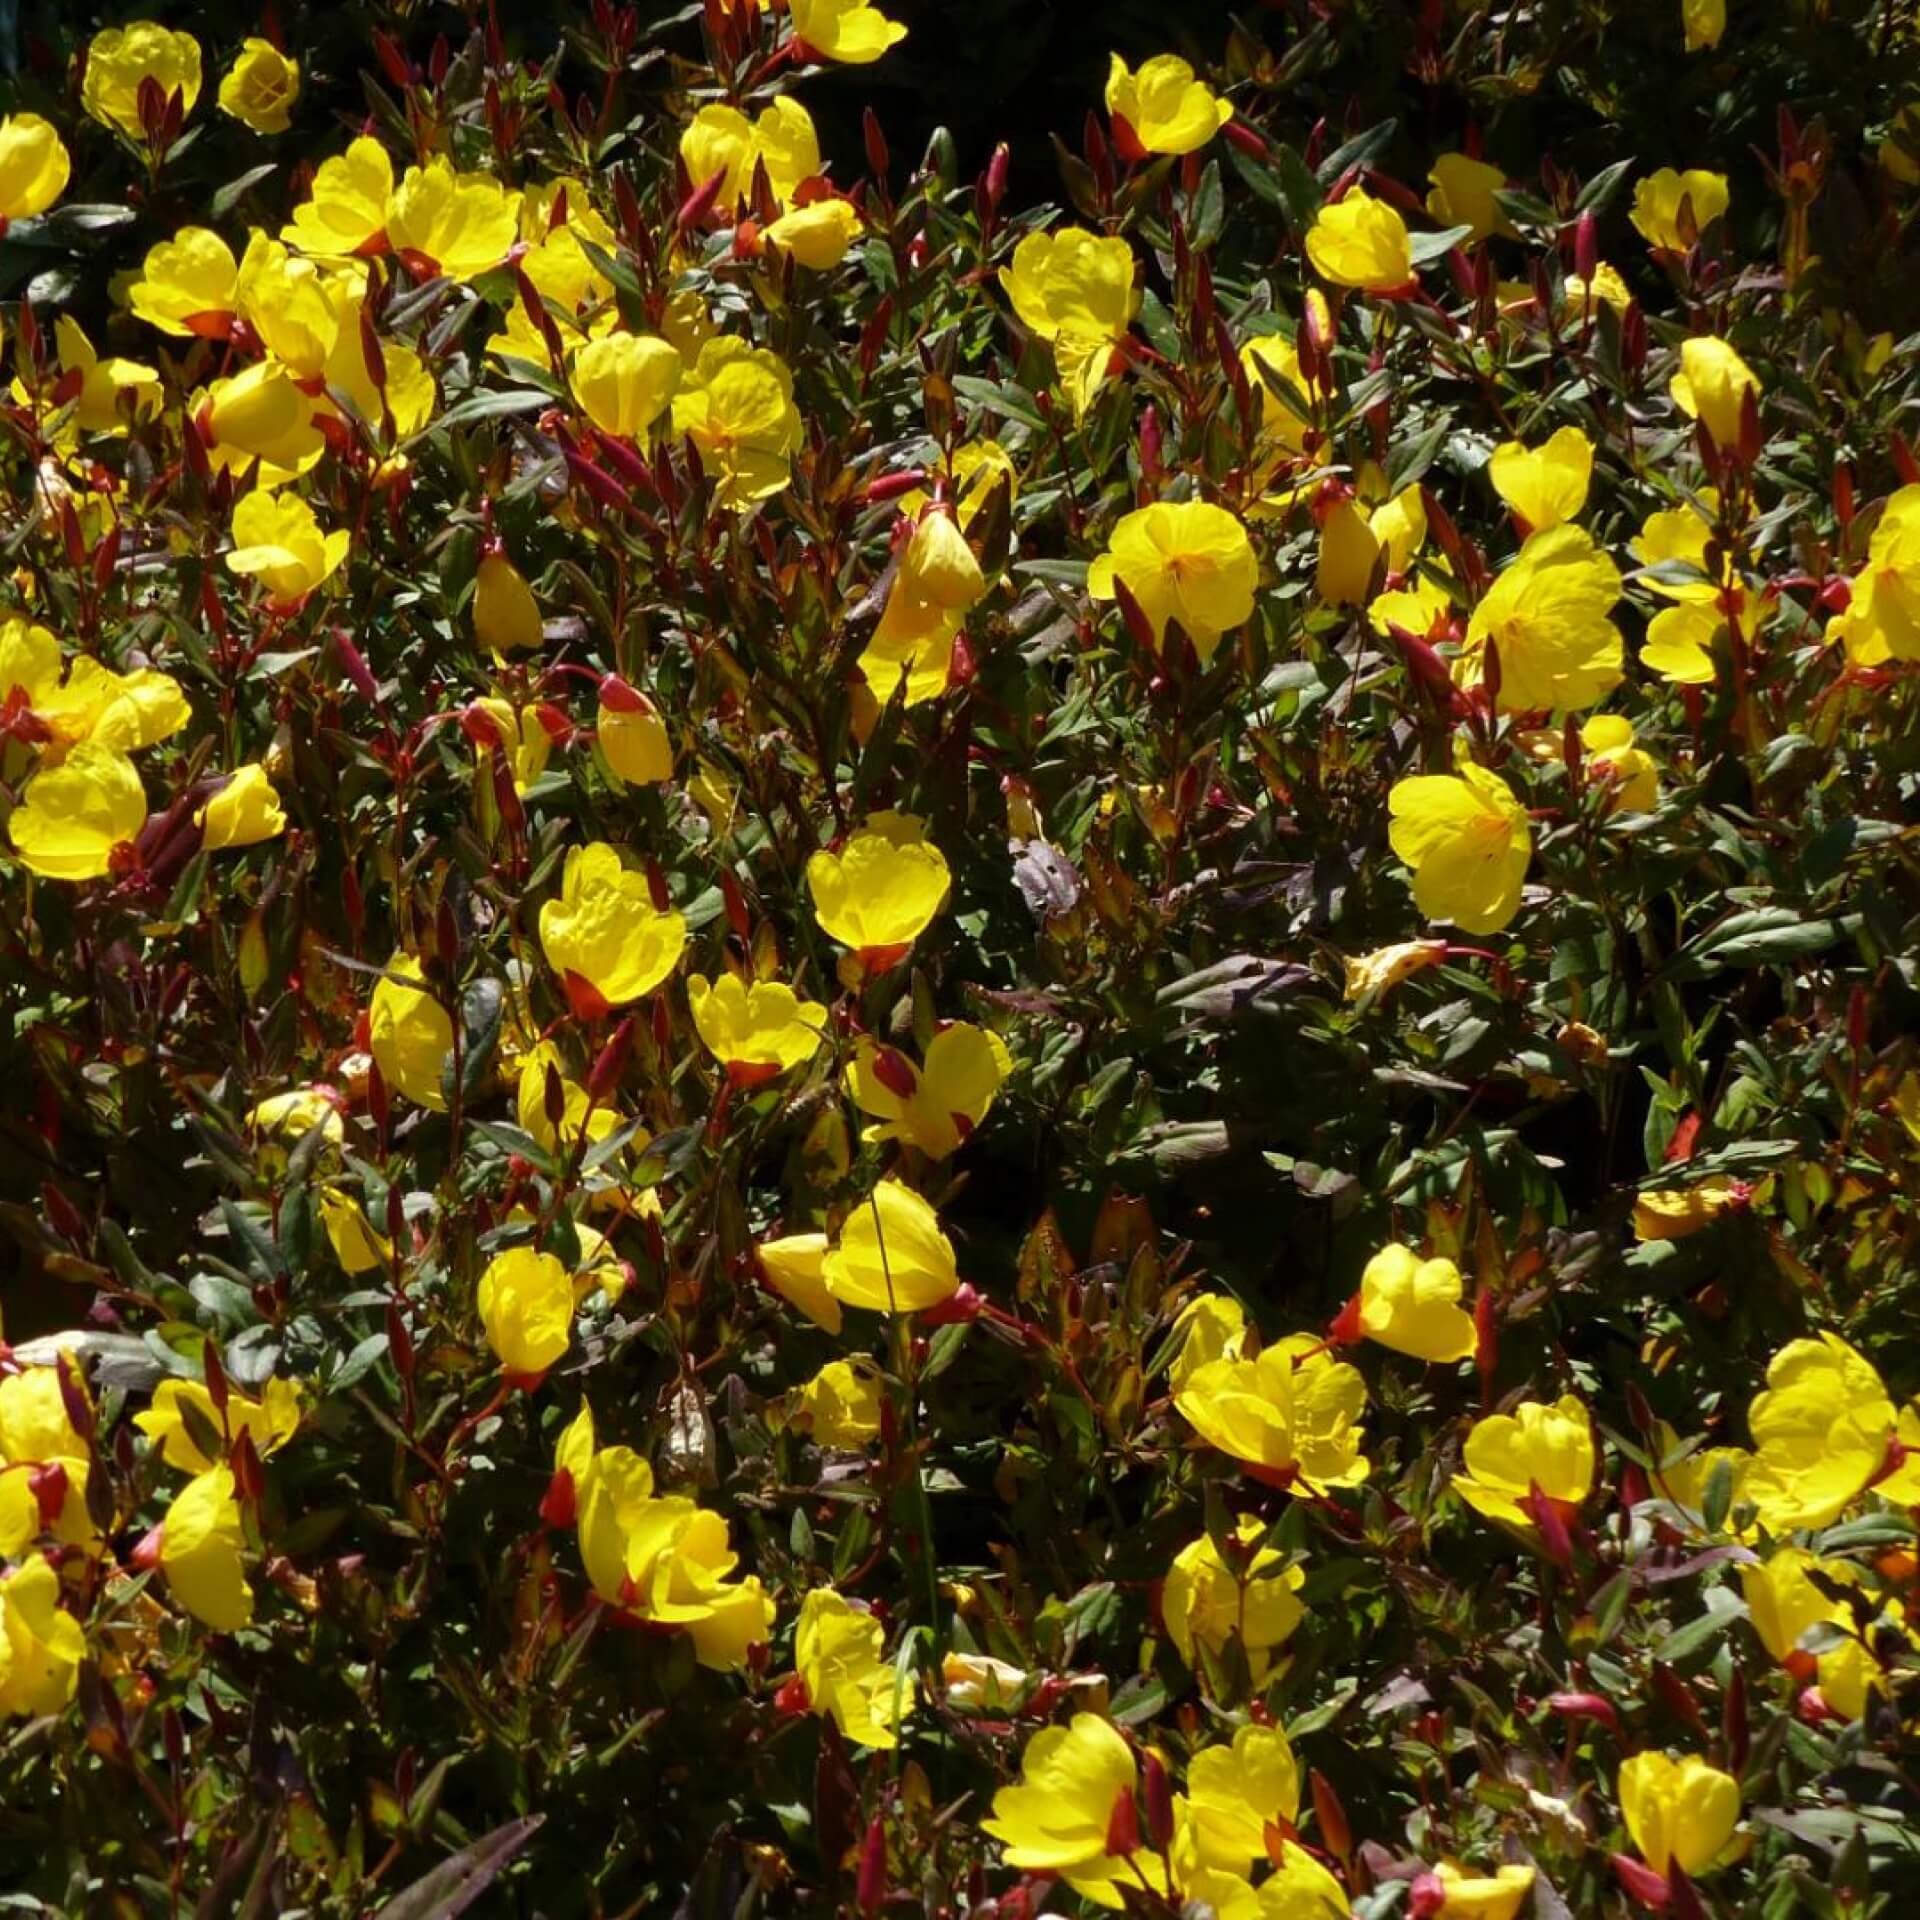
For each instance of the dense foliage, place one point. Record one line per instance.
(868, 1050)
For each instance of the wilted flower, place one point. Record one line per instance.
(1462, 195)
(1208, 1603)
(1188, 562)
(1680, 1813)
(1358, 241)
(839, 1653)
(1163, 107)
(1468, 842)
(754, 1031)
(605, 932)
(261, 87)
(495, 725)
(891, 1256)
(938, 580)
(410, 1034)
(934, 1107)
(355, 1244)
(506, 617)
(1544, 485)
(1291, 1417)
(526, 1306)
(1539, 1451)
(120, 58)
(1371, 976)
(184, 1416)
(1672, 209)
(34, 166)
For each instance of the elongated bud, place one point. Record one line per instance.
(1633, 338)
(739, 921)
(353, 663)
(1157, 1792)
(998, 163)
(1733, 1721)
(1244, 137)
(1123, 1825)
(1643, 1886)
(1134, 614)
(612, 1062)
(1151, 443)
(1678, 1698)
(1843, 495)
(1586, 249)
(560, 1502)
(1099, 156)
(446, 938)
(1555, 1541)
(1585, 1706)
(698, 204)
(1904, 463)
(1331, 1814)
(876, 144)
(870, 1885)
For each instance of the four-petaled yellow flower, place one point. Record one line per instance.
(1358, 241)
(189, 285)
(1462, 190)
(817, 235)
(721, 140)
(1468, 841)
(891, 1256)
(344, 215)
(526, 1307)
(1186, 562)
(277, 540)
(840, 1406)
(45, 1462)
(605, 933)
(245, 811)
(1544, 485)
(736, 405)
(1075, 289)
(1671, 209)
(1680, 1813)
(1059, 1817)
(1413, 1306)
(1546, 617)
(506, 617)
(1208, 1603)
(1611, 754)
(120, 58)
(184, 1419)
(1538, 1451)
(1163, 107)
(444, 222)
(261, 86)
(78, 820)
(1785, 1605)
(41, 1646)
(625, 382)
(755, 1031)
(1291, 1417)
(881, 890)
(1882, 622)
(839, 1653)
(851, 31)
(938, 580)
(409, 1033)
(936, 1106)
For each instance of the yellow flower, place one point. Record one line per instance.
(978, 1683)
(111, 392)
(1188, 562)
(34, 166)
(1399, 525)
(284, 297)
(37, 1433)
(506, 617)
(973, 471)
(1291, 1417)
(1547, 615)
(1208, 1604)
(794, 1266)
(1704, 21)
(1822, 1431)
(1358, 241)
(526, 1307)
(881, 891)
(577, 1116)
(938, 580)
(1612, 754)
(1468, 842)
(817, 235)
(189, 285)
(120, 58)
(1535, 1449)
(1164, 107)
(891, 1256)
(1413, 1306)
(1680, 1813)
(1883, 621)
(632, 737)
(289, 1117)
(201, 1543)
(1371, 976)
(73, 819)
(625, 382)
(1608, 288)
(1348, 558)
(444, 222)
(1482, 1896)
(736, 406)
(1671, 209)
(277, 541)
(1234, 1794)
(755, 1031)
(1210, 1327)
(840, 1405)
(260, 414)
(839, 1652)
(408, 396)
(1279, 423)
(605, 931)
(1462, 195)
(1057, 1819)
(243, 813)
(261, 87)
(1784, 1605)
(722, 140)
(1544, 485)
(1684, 1481)
(41, 1647)
(518, 731)
(937, 1106)
(409, 1033)
(183, 1417)
(345, 212)
(1075, 289)
(357, 1247)
(120, 711)
(851, 31)
(1712, 386)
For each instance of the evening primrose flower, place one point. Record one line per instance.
(757, 1031)
(1348, 557)
(850, 31)
(243, 813)
(111, 390)
(1059, 1816)
(260, 413)
(188, 286)
(444, 222)
(1607, 289)
(79, 820)
(1291, 1417)
(1883, 621)
(736, 405)
(41, 1647)
(1413, 1306)
(44, 1460)
(1280, 424)
(936, 583)
(839, 1653)
(261, 86)
(794, 1266)
(1680, 1813)
(1547, 615)
(1613, 755)
(1371, 976)
(201, 1543)
(344, 215)
(1713, 386)
(1163, 107)
(34, 166)
(409, 1033)
(1075, 290)
(631, 735)
(1785, 1605)
(119, 59)
(184, 1415)
(624, 383)
(492, 723)
(722, 140)
(1358, 241)
(578, 1115)
(882, 889)
(817, 235)
(1211, 1326)
(506, 617)
(1208, 1603)
(1188, 562)
(1462, 195)
(840, 1405)
(284, 297)
(936, 1106)
(1234, 1795)
(1671, 209)
(604, 931)
(285, 1119)
(1683, 1479)
(1544, 485)
(351, 1235)
(1465, 1895)
(277, 541)
(1468, 841)
(526, 1307)
(891, 1256)
(1538, 1451)
(1703, 22)
(972, 471)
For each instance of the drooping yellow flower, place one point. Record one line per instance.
(74, 820)
(1207, 1604)
(632, 737)
(506, 617)
(973, 471)
(839, 1652)
(1057, 1819)
(1462, 195)
(444, 222)
(261, 86)
(1680, 1813)
(1212, 1326)
(736, 405)
(355, 1244)
(936, 583)
(41, 1647)
(189, 285)
(1075, 289)
(1358, 241)
(1188, 562)
(1784, 1605)
(1413, 1306)
(934, 1107)
(605, 931)
(1468, 841)
(34, 166)
(1536, 1449)
(817, 235)
(722, 140)
(755, 1031)
(1348, 557)
(277, 540)
(409, 1033)
(1883, 621)
(891, 1256)
(794, 1266)
(853, 32)
(1703, 21)
(625, 382)
(243, 813)
(1712, 386)
(345, 213)
(1398, 524)
(1671, 209)
(1612, 754)
(1164, 107)
(1371, 976)
(1465, 1895)
(120, 58)
(1281, 425)
(260, 413)
(882, 889)
(1547, 616)
(285, 298)
(201, 1543)
(840, 1405)
(495, 724)
(1291, 1417)
(184, 1417)
(1679, 644)
(526, 1307)
(1544, 485)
